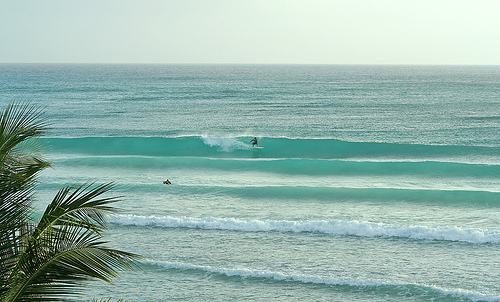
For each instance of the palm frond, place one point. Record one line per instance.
(66, 248)
(54, 266)
(81, 205)
(48, 261)
(21, 126)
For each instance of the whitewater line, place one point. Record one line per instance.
(335, 227)
(306, 279)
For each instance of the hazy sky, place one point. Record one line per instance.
(251, 31)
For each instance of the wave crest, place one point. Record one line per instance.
(335, 227)
(431, 292)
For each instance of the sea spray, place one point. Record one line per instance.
(225, 144)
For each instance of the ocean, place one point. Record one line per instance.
(373, 183)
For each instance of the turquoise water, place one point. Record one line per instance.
(375, 183)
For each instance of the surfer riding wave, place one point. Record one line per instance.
(254, 142)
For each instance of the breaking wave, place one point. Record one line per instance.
(335, 227)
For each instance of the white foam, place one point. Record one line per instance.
(226, 144)
(278, 276)
(335, 227)
(248, 273)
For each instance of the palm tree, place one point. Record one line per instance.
(48, 260)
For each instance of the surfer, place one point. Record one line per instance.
(167, 182)
(254, 142)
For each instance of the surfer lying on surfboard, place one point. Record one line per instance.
(254, 142)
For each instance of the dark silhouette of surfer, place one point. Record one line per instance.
(254, 142)
(167, 182)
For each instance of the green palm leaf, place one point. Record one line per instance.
(21, 126)
(48, 261)
(66, 248)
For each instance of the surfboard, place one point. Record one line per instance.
(258, 147)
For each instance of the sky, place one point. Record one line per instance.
(429, 32)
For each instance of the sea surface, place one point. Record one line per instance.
(374, 183)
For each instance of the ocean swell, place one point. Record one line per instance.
(240, 147)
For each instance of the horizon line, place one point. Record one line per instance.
(303, 64)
